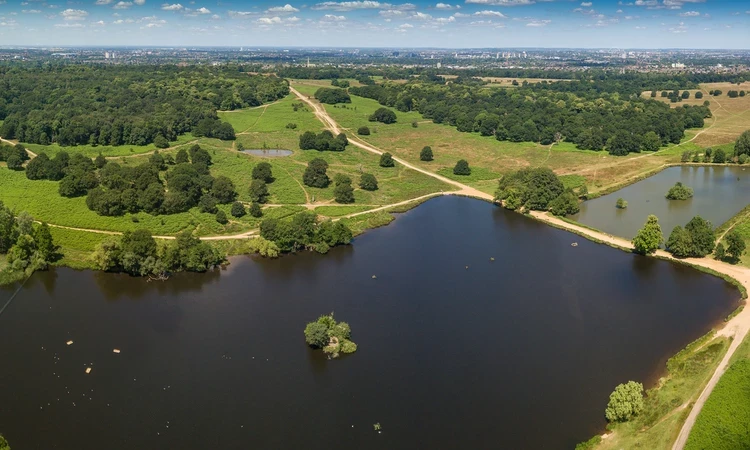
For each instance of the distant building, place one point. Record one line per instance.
(678, 65)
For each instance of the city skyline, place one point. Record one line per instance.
(369, 23)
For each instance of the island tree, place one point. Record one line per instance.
(679, 192)
(621, 203)
(333, 337)
(649, 238)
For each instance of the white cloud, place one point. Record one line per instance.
(503, 2)
(420, 16)
(406, 26)
(447, 6)
(488, 13)
(444, 20)
(283, 9)
(173, 7)
(139, 2)
(216, 17)
(30, 11)
(74, 14)
(391, 13)
(333, 18)
(690, 14)
(679, 29)
(98, 24)
(103, 2)
(69, 25)
(586, 4)
(362, 4)
(123, 5)
(639, 27)
(619, 11)
(203, 10)
(269, 20)
(538, 23)
(241, 14)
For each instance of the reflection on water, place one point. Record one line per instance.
(720, 193)
(455, 350)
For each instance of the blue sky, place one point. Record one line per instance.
(371, 23)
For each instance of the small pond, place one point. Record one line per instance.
(720, 193)
(269, 152)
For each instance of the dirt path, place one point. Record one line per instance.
(331, 124)
(33, 155)
(737, 328)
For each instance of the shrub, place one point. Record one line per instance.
(161, 142)
(291, 126)
(462, 168)
(720, 157)
(383, 115)
(255, 210)
(386, 160)
(426, 154)
(343, 191)
(699, 95)
(625, 402)
(264, 247)
(368, 182)
(262, 171)
(315, 174)
(238, 209)
(258, 191)
(621, 203)
(363, 131)
(207, 204)
(221, 217)
(679, 192)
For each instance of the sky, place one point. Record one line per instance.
(374, 23)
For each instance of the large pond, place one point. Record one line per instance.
(455, 350)
(720, 193)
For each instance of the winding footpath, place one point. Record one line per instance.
(737, 328)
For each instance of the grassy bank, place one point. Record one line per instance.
(667, 405)
(724, 421)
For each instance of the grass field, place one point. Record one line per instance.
(724, 421)
(731, 115)
(657, 427)
(599, 169)
(106, 150)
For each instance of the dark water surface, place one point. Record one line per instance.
(518, 353)
(720, 193)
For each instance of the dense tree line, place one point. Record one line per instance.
(583, 113)
(332, 96)
(323, 141)
(28, 246)
(125, 105)
(611, 80)
(137, 253)
(304, 232)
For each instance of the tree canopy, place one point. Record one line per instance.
(649, 238)
(125, 104)
(625, 402)
(332, 96)
(679, 192)
(529, 188)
